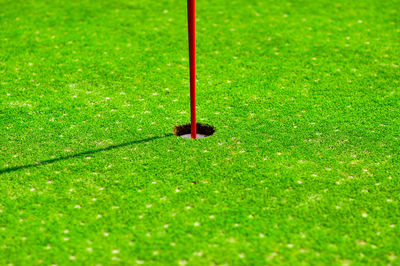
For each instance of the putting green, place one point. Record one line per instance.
(303, 166)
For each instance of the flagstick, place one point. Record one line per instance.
(192, 62)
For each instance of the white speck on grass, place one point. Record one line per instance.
(199, 253)
(241, 255)
(364, 214)
(115, 251)
(196, 224)
(182, 262)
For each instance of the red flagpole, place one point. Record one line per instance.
(192, 62)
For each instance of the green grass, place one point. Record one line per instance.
(303, 168)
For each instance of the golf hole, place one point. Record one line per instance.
(203, 131)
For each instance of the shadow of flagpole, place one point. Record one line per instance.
(112, 147)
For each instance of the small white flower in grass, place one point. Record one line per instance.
(139, 262)
(156, 252)
(182, 262)
(299, 181)
(72, 257)
(166, 225)
(66, 231)
(196, 224)
(115, 207)
(177, 190)
(290, 245)
(364, 214)
(106, 233)
(115, 251)
(188, 207)
(98, 216)
(77, 206)
(89, 249)
(262, 235)
(33, 189)
(66, 238)
(241, 255)
(47, 247)
(149, 205)
(228, 81)
(211, 216)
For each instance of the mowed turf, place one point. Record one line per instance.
(303, 167)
